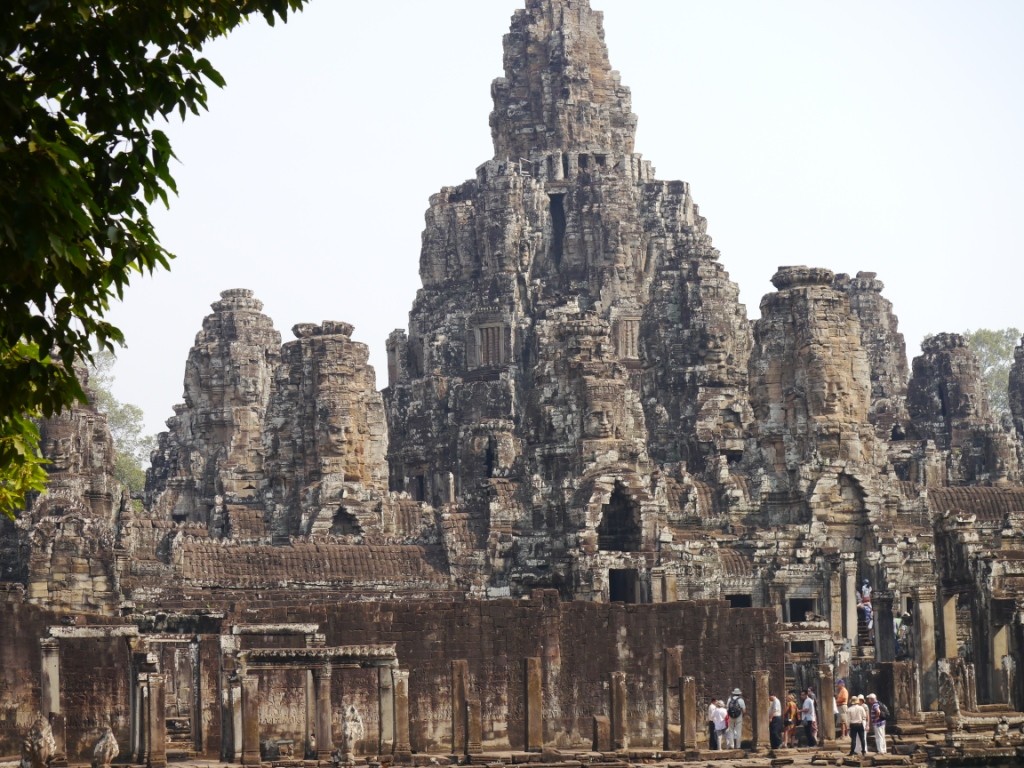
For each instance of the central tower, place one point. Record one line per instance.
(574, 330)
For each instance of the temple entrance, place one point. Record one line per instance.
(180, 660)
(619, 530)
(624, 586)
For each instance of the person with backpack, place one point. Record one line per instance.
(735, 708)
(879, 714)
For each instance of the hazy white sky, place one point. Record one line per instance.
(878, 135)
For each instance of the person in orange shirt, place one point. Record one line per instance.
(842, 700)
(791, 718)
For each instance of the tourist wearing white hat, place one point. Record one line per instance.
(735, 708)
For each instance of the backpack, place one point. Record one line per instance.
(733, 708)
(883, 711)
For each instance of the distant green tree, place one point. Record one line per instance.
(126, 421)
(81, 84)
(994, 349)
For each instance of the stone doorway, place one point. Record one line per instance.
(624, 586)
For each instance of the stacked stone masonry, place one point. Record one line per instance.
(582, 435)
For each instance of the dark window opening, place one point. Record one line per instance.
(740, 601)
(345, 524)
(557, 208)
(584, 161)
(565, 165)
(418, 488)
(800, 607)
(624, 585)
(491, 457)
(802, 646)
(619, 530)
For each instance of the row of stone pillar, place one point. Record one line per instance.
(394, 714)
(680, 708)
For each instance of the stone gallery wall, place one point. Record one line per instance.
(579, 645)
(94, 676)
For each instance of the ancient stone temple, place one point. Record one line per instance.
(591, 496)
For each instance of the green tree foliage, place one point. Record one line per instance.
(81, 84)
(126, 421)
(994, 349)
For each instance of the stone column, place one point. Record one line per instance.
(885, 627)
(474, 726)
(924, 640)
(403, 749)
(135, 718)
(602, 734)
(157, 720)
(999, 650)
(671, 672)
(310, 745)
(460, 681)
(827, 693)
(236, 718)
(387, 710)
(144, 710)
(324, 711)
(757, 709)
(688, 714)
(906, 697)
(657, 585)
(777, 600)
(618, 711)
(49, 693)
(850, 601)
(250, 719)
(949, 643)
(836, 614)
(49, 681)
(671, 588)
(534, 699)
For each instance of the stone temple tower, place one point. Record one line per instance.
(573, 311)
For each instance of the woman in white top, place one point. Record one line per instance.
(719, 720)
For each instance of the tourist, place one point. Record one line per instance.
(735, 708)
(720, 716)
(792, 717)
(712, 731)
(842, 701)
(903, 637)
(864, 604)
(877, 723)
(774, 721)
(858, 716)
(810, 719)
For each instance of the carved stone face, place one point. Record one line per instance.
(60, 451)
(604, 401)
(598, 424)
(336, 439)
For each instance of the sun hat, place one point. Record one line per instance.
(736, 692)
